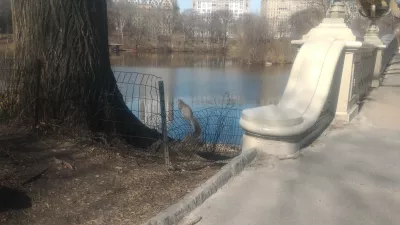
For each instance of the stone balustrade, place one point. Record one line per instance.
(384, 52)
(390, 50)
(362, 71)
(364, 65)
(356, 79)
(332, 74)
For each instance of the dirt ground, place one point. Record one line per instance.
(107, 185)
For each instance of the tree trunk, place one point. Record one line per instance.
(77, 85)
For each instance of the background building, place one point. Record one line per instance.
(278, 12)
(237, 7)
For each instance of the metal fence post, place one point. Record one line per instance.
(164, 123)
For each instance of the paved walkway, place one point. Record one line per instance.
(350, 176)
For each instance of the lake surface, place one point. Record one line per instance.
(215, 88)
(208, 77)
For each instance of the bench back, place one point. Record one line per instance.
(312, 75)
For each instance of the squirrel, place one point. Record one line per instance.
(187, 114)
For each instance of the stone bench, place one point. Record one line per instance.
(307, 105)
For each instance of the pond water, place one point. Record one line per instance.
(217, 89)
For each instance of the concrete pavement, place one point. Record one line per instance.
(350, 176)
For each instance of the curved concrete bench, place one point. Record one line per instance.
(307, 106)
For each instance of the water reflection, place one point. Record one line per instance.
(171, 60)
(216, 88)
(208, 76)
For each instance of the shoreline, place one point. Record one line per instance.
(7, 50)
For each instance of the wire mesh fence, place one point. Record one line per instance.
(142, 96)
(218, 117)
(218, 122)
(221, 134)
(220, 138)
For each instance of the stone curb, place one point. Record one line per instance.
(173, 214)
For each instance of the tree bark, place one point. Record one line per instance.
(77, 85)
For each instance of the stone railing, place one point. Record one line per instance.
(363, 70)
(331, 74)
(364, 65)
(390, 49)
(384, 52)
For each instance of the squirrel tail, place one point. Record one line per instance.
(196, 127)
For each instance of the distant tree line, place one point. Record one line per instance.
(248, 37)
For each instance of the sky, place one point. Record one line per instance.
(254, 5)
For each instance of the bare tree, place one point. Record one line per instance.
(220, 24)
(154, 27)
(122, 12)
(359, 25)
(166, 21)
(319, 5)
(202, 26)
(71, 43)
(387, 24)
(138, 25)
(111, 16)
(190, 23)
(303, 21)
(252, 33)
(168, 18)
